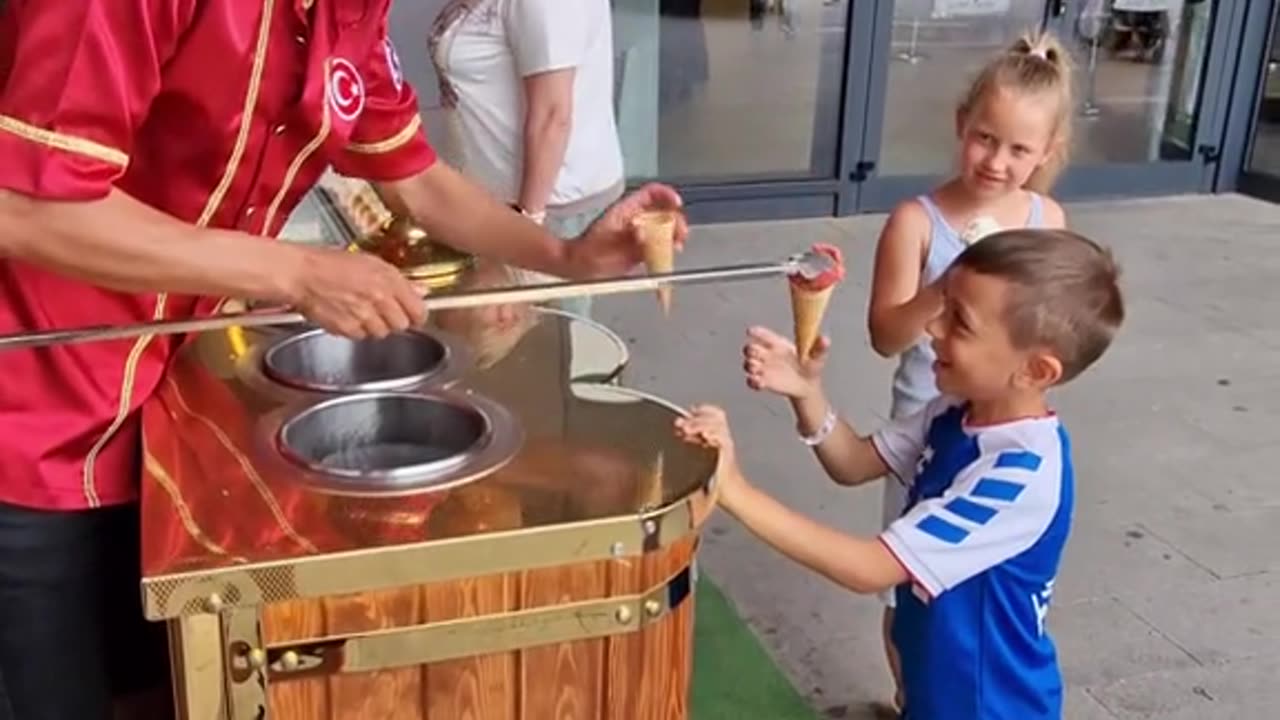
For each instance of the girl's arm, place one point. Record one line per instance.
(899, 307)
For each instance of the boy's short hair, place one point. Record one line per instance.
(1067, 294)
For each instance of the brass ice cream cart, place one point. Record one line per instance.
(305, 575)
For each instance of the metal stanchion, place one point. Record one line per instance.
(1090, 107)
(912, 55)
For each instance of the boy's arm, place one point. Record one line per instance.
(848, 458)
(859, 564)
(853, 459)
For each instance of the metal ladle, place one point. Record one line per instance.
(808, 265)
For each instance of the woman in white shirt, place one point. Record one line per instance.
(529, 87)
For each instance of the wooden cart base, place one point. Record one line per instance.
(635, 663)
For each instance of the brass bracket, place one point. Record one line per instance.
(244, 664)
(434, 642)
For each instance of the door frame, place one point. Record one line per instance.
(1247, 94)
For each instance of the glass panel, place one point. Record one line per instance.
(1265, 156)
(716, 90)
(706, 90)
(937, 47)
(1140, 65)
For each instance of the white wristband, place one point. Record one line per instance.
(824, 431)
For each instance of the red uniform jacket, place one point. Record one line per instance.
(219, 112)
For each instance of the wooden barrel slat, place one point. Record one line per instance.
(386, 694)
(480, 687)
(562, 682)
(286, 622)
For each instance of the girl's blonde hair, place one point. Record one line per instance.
(1035, 63)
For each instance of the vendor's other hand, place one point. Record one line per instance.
(611, 247)
(355, 295)
(708, 426)
(771, 364)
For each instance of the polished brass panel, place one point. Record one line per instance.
(385, 567)
(195, 652)
(468, 637)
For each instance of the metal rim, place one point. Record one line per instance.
(623, 350)
(251, 370)
(495, 448)
(410, 380)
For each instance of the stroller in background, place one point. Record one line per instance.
(1139, 28)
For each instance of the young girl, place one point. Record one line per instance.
(1013, 128)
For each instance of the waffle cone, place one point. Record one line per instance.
(657, 231)
(807, 309)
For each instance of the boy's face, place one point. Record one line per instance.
(976, 357)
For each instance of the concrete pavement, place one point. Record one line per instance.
(1167, 605)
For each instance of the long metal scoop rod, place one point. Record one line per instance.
(808, 265)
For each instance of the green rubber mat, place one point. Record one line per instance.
(733, 676)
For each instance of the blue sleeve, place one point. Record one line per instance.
(995, 508)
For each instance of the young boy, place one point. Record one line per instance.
(987, 467)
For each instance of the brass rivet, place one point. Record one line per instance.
(214, 603)
(652, 607)
(617, 549)
(623, 615)
(290, 660)
(650, 527)
(257, 658)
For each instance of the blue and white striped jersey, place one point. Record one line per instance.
(988, 514)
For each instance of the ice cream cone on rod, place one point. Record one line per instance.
(809, 300)
(657, 231)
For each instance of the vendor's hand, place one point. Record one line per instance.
(611, 247)
(355, 295)
(770, 363)
(708, 426)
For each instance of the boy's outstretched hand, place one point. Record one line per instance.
(771, 364)
(708, 426)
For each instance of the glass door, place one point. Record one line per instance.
(1261, 172)
(1146, 116)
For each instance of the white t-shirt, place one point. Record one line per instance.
(486, 55)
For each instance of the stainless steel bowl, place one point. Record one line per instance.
(394, 443)
(316, 361)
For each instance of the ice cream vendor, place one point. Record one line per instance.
(146, 146)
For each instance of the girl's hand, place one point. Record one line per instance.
(771, 364)
(708, 426)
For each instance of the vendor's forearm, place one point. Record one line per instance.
(120, 243)
(847, 458)
(546, 136)
(465, 217)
